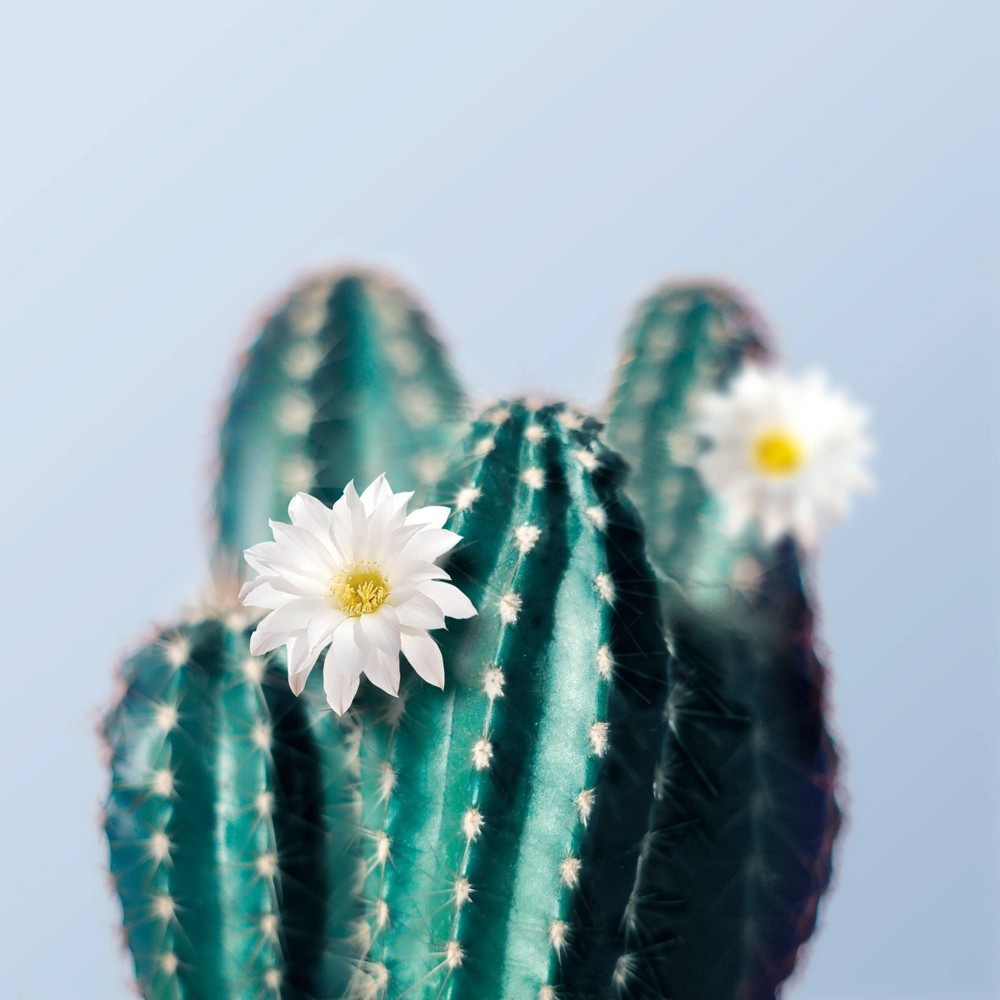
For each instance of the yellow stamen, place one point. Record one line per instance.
(778, 453)
(359, 589)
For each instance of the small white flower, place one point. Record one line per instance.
(362, 578)
(785, 453)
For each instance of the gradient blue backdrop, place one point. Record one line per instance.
(530, 169)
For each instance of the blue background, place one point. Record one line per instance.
(531, 169)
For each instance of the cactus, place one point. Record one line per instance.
(228, 822)
(226, 817)
(503, 819)
(344, 382)
(746, 813)
(626, 788)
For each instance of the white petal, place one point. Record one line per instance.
(431, 544)
(342, 667)
(263, 593)
(383, 671)
(359, 523)
(409, 573)
(301, 660)
(737, 516)
(377, 493)
(382, 630)
(340, 529)
(806, 528)
(416, 610)
(434, 516)
(281, 623)
(389, 547)
(282, 575)
(303, 575)
(261, 555)
(313, 515)
(774, 524)
(350, 495)
(424, 655)
(321, 626)
(302, 549)
(449, 599)
(340, 689)
(387, 530)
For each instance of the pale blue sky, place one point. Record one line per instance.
(531, 169)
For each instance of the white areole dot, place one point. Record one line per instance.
(163, 783)
(482, 753)
(159, 846)
(510, 607)
(253, 669)
(453, 954)
(177, 651)
(166, 717)
(558, 934)
(302, 359)
(605, 662)
(526, 537)
(266, 865)
(605, 587)
(466, 497)
(569, 872)
(461, 892)
(598, 737)
(533, 478)
(493, 683)
(472, 823)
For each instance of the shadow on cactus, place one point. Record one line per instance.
(625, 787)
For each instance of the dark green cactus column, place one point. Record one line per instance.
(505, 815)
(233, 814)
(225, 827)
(746, 814)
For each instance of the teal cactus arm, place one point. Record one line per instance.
(508, 811)
(684, 340)
(746, 810)
(229, 834)
(344, 377)
(345, 381)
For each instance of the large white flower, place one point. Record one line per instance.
(362, 578)
(785, 453)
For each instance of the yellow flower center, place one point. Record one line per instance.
(359, 589)
(778, 453)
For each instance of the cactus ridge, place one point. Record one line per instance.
(746, 809)
(219, 901)
(224, 827)
(683, 340)
(507, 845)
(346, 380)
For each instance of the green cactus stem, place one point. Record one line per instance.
(746, 813)
(345, 381)
(231, 844)
(228, 832)
(504, 816)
